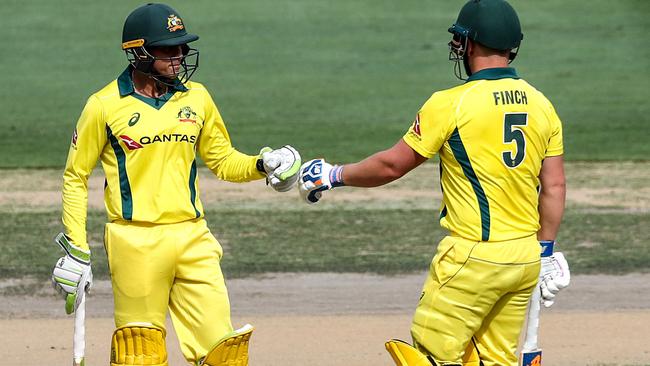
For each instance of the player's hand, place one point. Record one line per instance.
(71, 273)
(553, 277)
(317, 176)
(281, 167)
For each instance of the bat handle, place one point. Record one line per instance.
(532, 326)
(79, 338)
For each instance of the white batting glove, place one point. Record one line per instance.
(281, 167)
(554, 275)
(317, 176)
(71, 273)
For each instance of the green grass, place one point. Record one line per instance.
(358, 240)
(337, 78)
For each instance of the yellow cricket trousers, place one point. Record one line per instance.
(473, 303)
(156, 267)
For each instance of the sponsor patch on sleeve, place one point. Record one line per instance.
(75, 135)
(415, 128)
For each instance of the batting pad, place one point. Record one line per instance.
(231, 350)
(405, 355)
(138, 344)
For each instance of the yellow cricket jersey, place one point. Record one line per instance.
(492, 134)
(147, 148)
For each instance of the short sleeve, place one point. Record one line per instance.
(555, 145)
(432, 126)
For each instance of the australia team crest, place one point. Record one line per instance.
(186, 114)
(174, 23)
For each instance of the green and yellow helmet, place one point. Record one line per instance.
(158, 25)
(492, 23)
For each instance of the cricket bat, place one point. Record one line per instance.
(79, 338)
(531, 354)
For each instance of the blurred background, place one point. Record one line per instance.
(341, 80)
(338, 79)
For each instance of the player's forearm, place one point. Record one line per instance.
(373, 171)
(551, 209)
(237, 167)
(382, 167)
(75, 207)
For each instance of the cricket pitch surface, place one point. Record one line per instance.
(326, 319)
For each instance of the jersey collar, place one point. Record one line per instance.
(494, 74)
(125, 83)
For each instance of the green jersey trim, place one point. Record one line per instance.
(193, 188)
(494, 74)
(125, 186)
(443, 211)
(460, 154)
(125, 86)
(155, 102)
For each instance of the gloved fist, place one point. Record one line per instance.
(553, 276)
(281, 167)
(317, 176)
(71, 273)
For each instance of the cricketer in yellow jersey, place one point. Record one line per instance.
(146, 127)
(500, 146)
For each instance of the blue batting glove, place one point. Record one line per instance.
(317, 176)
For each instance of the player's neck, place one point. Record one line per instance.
(479, 63)
(147, 86)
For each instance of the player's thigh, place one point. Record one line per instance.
(199, 302)
(455, 299)
(498, 337)
(141, 263)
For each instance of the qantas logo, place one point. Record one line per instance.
(168, 137)
(130, 143)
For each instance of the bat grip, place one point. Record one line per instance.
(79, 338)
(532, 324)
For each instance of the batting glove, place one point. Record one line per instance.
(554, 274)
(71, 273)
(280, 166)
(317, 176)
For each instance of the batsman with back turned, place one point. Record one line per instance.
(147, 128)
(501, 170)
